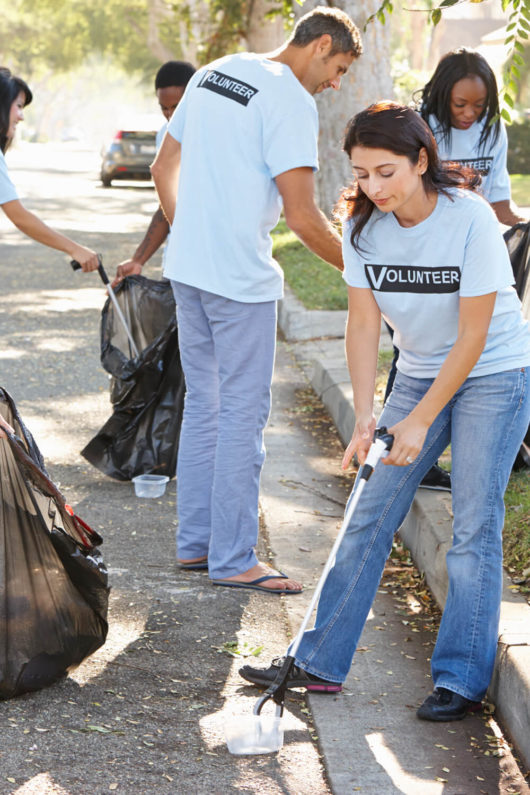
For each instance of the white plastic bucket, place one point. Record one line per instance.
(253, 734)
(150, 485)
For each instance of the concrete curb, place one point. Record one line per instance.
(297, 323)
(317, 343)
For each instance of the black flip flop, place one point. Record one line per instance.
(254, 585)
(199, 565)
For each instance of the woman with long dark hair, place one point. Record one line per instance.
(460, 103)
(15, 95)
(424, 251)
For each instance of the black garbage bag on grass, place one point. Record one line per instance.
(517, 239)
(147, 392)
(53, 582)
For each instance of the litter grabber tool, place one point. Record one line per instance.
(261, 734)
(105, 279)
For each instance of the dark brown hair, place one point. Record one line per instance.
(400, 130)
(10, 87)
(436, 94)
(336, 23)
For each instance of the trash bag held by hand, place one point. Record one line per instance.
(53, 582)
(147, 392)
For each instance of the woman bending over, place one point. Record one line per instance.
(425, 252)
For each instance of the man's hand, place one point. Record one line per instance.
(304, 218)
(129, 267)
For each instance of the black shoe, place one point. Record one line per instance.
(444, 705)
(436, 478)
(297, 678)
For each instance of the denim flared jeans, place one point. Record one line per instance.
(227, 352)
(485, 422)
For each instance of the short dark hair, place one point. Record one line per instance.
(401, 130)
(336, 23)
(10, 87)
(435, 96)
(174, 73)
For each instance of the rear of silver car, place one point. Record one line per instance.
(128, 156)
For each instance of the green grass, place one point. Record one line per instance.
(315, 283)
(516, 539)
(521, 189)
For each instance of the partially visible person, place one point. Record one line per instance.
(459, 103)
(424, 251)
(170, 83)
(242, 142)
(15, 95)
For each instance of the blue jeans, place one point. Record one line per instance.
(485, 422)
(227, 352)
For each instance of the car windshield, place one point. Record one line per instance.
(144, 134)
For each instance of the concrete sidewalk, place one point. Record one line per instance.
(317, 343)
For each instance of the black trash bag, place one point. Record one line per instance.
(147, 392)
(518, 241)
(53, 582)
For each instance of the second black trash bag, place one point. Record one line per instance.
(517, 238)
(147, 392)
(53, 581)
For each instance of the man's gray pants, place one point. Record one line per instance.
(227, 353)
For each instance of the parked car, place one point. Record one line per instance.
(128, 156)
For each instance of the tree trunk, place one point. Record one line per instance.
(194, 31)
(157, 12)
(367, 80)
(418, 25)
(264, 35)
(434, 47)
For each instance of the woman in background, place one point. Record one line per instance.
(459, 103)
(15, 95)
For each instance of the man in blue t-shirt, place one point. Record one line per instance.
(242, 143)
(170, 83)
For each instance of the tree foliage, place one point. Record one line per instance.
(58, 35)
(224, 23)
(39, 36)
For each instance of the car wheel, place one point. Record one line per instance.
(106, 181)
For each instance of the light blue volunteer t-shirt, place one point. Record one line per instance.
(419, 273)
(8, 191)
(464, 147)
(242, 121)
